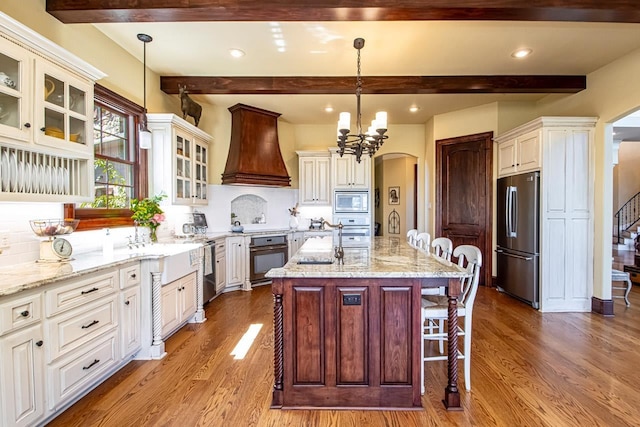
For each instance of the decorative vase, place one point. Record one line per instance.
(293, 222)
(153, 237)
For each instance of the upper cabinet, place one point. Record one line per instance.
(314, 168)
(519, 154)
(46, 118)
(348, 174)
(179, 165)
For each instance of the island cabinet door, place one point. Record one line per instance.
(350, 343)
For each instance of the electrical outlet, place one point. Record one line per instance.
(4, 239)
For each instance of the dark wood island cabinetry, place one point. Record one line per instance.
(349, 336)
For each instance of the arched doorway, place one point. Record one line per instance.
(395, 191)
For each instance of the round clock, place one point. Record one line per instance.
(62, 247)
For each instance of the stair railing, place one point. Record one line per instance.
(627, 216)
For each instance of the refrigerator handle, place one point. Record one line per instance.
(507, 211)
(514, 212)
(511, 191)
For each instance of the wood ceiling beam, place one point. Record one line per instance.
(374, 84)
(100, 11)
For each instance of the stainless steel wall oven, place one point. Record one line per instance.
(266, 252)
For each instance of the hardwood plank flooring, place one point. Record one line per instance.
(528, 369)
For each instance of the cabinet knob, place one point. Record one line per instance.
(25, 313)
(42, 129)
(27, 125)
(126, 302)
(39, 343)
(133, 276)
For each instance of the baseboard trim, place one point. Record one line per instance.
(602, 306)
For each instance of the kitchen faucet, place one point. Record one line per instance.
(338, 251)
(138, 241)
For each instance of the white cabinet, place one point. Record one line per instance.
(236, 262)
(59, 341)
(295, 239)
(566, 145)
(221, 265)
(348, 174)
(519, 154)
(179, 159)
(46, 119)
(178, 303)
(21, 361)
(314, 171)
(130, 314)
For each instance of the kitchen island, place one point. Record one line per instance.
(349, 336)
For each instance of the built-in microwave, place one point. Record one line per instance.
(351, 202)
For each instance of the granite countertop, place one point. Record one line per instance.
(389, 257)
(29, 275)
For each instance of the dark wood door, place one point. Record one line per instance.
(464, 193)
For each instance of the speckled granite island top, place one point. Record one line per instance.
(389, 257)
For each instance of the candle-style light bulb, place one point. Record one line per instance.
(344, 122)
(381, 120)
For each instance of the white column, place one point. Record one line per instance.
(157, 346)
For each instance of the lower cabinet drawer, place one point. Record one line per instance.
(71, 329)
(74, 373)
(19, 312)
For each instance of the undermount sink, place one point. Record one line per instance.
(178, 259)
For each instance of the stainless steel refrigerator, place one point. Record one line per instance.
(518, 229)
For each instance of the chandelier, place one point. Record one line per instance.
(360, 143)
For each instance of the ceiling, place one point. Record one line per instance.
(392, 48)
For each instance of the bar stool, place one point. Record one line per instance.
(435, 311)
(423, 241)
(621, 276)
(411, 236)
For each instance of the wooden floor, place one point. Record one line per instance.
(528, 369)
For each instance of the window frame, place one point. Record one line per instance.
(96, 218)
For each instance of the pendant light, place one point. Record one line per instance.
(144, 134)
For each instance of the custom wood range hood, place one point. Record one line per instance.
(254, 152)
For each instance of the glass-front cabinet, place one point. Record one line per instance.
(183, 149)
(46, 118)
(14, 92)
(63, 110)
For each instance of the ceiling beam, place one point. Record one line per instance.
(374, 84)
(100, 11)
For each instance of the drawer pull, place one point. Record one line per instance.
(91, 364)
(95, 322)
(25, 313)
(39, 343)
(89, 291)
(133, 276)
(126, 302)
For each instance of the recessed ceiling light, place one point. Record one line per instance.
(236, 53)
(414, 109)
(521, 53)
(328, 109)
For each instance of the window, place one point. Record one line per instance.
(120, 167)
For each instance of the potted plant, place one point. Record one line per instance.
(147, 213)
